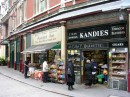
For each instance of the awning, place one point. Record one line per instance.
(4, 42)
(39, 48)
(56, 47)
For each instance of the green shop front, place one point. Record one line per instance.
(15, 46)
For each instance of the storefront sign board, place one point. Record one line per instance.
(47, 36)
(87, 46)
(97, 32)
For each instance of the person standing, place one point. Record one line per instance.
(45, 71)
(88, 74)
(26, 67)
(70, 75)
(94, 70)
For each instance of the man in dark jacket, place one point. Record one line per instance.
(94, 70)
(70, 75)
(26, 66)
(88, 74)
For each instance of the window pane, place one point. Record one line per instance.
(42, 5)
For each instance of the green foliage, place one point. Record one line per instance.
(3, 61)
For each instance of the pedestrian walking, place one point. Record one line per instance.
(45, 71)
(70, 75)
(94, 71)
(88, 74)
(26, 67)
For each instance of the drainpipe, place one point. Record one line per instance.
(21, 49)
(15, 55)
(128, 50)
(8, 55)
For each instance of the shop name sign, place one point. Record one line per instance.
(87, 46)
(94, 34)
(47, 36)
(98, 32)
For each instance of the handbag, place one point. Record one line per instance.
(69, 72)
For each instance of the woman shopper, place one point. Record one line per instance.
(88, 74)
(70, 75)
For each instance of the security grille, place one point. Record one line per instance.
(115, 84)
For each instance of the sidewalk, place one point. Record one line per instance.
(79, 91)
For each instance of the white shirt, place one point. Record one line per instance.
(45, 66)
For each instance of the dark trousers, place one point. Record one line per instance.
(45, 77)
(25, 72)
(94, 79)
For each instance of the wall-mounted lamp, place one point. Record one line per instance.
(121, 17)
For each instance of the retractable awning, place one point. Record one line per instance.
(4, 42)
(56, 47)
(39, 48)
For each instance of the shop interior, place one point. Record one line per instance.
(101, 58)
(79, 58)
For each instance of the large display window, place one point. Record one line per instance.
(118, 68)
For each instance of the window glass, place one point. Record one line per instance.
(42, 5)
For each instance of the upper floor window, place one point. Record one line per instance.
(40, 6)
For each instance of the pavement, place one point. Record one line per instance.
(79, 91)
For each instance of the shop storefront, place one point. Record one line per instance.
(46, 45)
(108, 45)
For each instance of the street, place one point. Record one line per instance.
(13, 88)
(35, 88)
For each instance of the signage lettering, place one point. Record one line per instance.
(86, 46)
(47, 36)
(98, 32)
(119, 44)
(94, 34)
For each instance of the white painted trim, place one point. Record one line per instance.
(48, 9)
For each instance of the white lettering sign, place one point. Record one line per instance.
(94, 34)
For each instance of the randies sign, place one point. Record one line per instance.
(98, 32)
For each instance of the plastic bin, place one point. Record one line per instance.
(100, 78)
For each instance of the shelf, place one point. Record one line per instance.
(118, 65)
(118, 52)
(118, 57)
(118, 68)
(118, 62)
(118, 74)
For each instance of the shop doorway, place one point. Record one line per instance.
(101, 58)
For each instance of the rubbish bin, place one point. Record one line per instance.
(100, 78)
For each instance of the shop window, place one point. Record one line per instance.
(39, 57)
(36, 58)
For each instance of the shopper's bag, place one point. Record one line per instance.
(69, 72)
